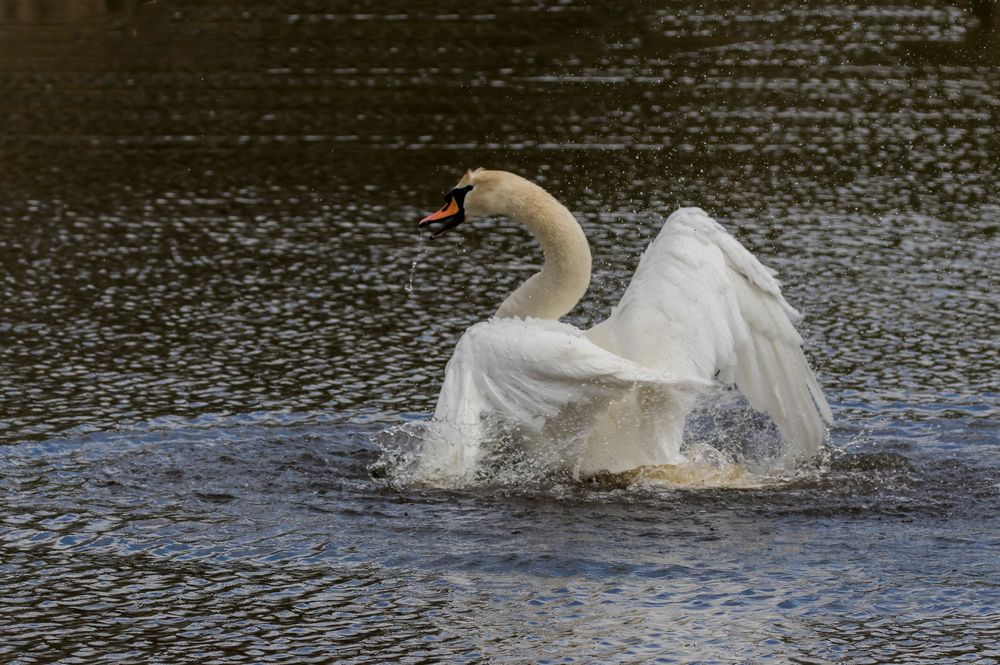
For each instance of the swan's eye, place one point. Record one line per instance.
(458, 194)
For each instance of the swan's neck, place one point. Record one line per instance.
(565, 275)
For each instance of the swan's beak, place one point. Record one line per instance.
(450, 216)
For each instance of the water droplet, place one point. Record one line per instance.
(413, 270)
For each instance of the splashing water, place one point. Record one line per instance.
(727, 445)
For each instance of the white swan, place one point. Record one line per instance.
(700, 307)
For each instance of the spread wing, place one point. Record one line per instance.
(548, 379)
(701, 305)
(530, 371)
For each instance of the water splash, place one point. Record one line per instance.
(492, 453)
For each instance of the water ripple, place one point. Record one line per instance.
(214, 299)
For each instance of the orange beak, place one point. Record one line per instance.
(450, 208)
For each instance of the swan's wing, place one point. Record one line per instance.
(530, 371)
(552, 383)
(701, 304)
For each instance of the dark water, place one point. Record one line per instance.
(210, 313)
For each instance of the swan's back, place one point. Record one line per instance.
(701, 305)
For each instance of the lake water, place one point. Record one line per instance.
(216, 309)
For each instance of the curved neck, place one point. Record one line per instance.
(565, 275)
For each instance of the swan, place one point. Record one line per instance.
(700, 309)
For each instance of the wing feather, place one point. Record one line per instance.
(701, 304)
(535, 374)
(529, 371)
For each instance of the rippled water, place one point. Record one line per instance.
(211, 316)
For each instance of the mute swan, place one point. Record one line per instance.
(613, 398)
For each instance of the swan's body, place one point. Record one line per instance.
(700, 307)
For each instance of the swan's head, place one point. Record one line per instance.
(469, 198)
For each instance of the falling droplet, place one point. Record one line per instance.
(413, 270)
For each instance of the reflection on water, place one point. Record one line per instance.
(214, 297)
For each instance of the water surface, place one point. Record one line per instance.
(211, 316)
